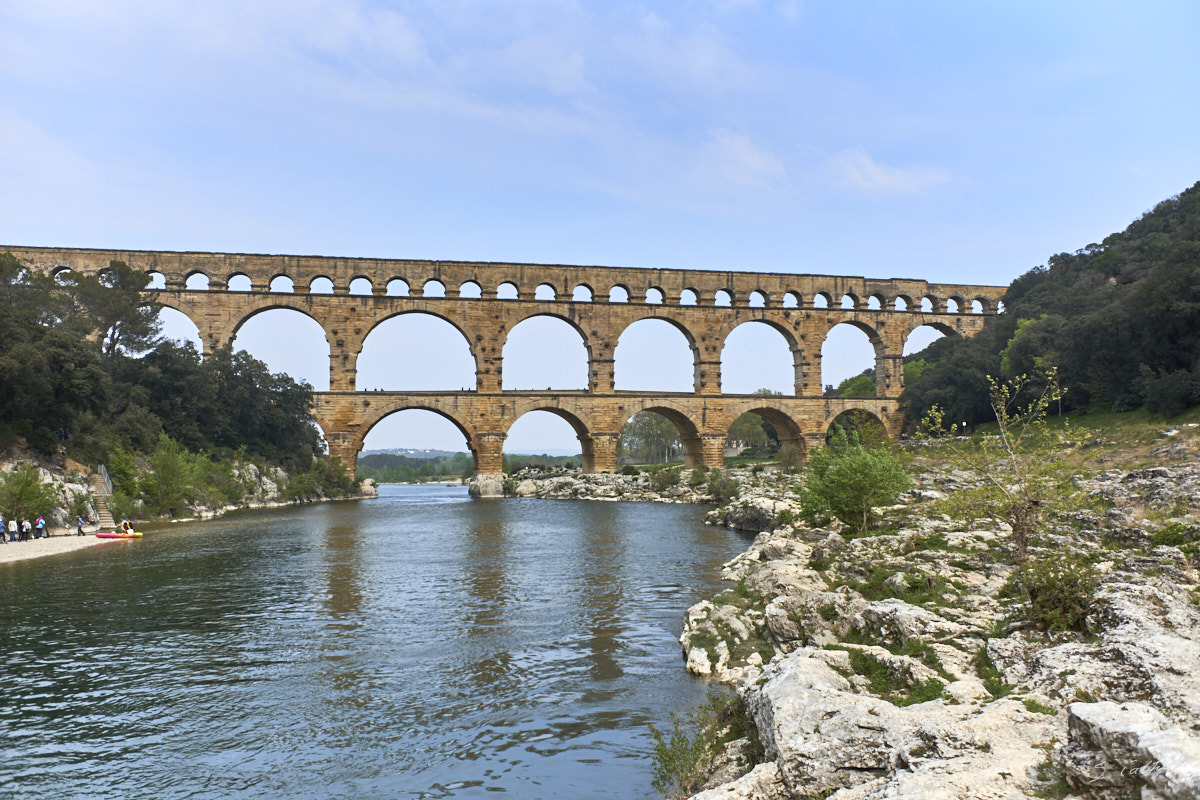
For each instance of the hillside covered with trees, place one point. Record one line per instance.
(1118, 321)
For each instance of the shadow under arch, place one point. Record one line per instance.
(556, 363)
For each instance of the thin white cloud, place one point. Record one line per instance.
(738, 161)
(856, 168)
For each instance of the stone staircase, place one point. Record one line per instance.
(101, 491)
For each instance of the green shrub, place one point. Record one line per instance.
(1060, 589)
(664, 478)
(846, 480)
(683, 756)
(697, 477)
(23, 495)
(630, 469)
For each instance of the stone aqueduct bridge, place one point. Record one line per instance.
(705, 306)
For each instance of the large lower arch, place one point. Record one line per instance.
(656, 354)
(694, 445)
(869, 428)
(179, 327)
(287, 340)
(786, 428)
(758, 356)
(415, 434)
(584, 438)
(545, 351)
(416, 351)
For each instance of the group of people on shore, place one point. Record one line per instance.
(22, 530)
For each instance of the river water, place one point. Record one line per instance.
(421, 645)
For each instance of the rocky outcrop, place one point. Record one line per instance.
(891, 666)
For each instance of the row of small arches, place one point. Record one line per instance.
(583, 293)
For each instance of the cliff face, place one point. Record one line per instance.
(903, 665)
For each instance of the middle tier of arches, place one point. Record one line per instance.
(486, 326)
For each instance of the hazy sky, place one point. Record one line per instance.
(952, 141)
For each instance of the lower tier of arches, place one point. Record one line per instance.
(703, 422)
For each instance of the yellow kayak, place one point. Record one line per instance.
(118, 535)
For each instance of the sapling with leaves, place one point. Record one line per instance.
(1015, 462)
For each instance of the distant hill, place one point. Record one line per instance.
(410, 452)
(1119, 320)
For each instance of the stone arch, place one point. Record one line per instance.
(689, 433)
(757, 299)
(821, 300)
(440, 350)
(239, 282)
(930, 304)
(508, 291)
(689, 297)
(157, 280)
(618, 294)
(655, 296)
(320, 284)
(545, 292)
(266, 345)
(783, 369)
(396, 287)
(980, 305)
(876, 302)
(842, 345)
(582, 433)
(172, 329)
(557, 348)
(470, 290)
(390, 408)
(849, 301)
(792, 300)
(197, 282)
(433, 288)
(723, 298)
(582, 294)
(282, 284)
(361, 285)
(954, 305)
(903, 303)
(786, 427)
(664, 367)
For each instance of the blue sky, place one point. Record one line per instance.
(951, 141)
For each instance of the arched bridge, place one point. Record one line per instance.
(349, 297)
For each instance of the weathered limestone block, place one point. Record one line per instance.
(1127, 746)
(761, 783)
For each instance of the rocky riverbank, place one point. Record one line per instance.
(904, 665)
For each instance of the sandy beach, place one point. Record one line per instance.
(48, 546)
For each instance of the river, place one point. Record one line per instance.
(420, 645)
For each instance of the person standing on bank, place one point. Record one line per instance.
(40, 526)
(79, 526)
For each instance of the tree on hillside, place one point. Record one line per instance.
(23, 495)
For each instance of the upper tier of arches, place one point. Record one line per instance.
(547, 282)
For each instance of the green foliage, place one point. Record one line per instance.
(649, 438)
(1060, 590)
(1017, 463)
(722, 488)
(664, 478)
(987, 672)
(683, 755)
(393, 468)
(324, 478)
(861, 385)
(846, 480)
(1119, 320)
(895, 686)
(790, 458)
(697, 477)
(23, 495)
(630, 469)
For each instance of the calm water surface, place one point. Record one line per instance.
(421, 645)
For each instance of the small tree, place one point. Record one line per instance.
(1014, 462)
(790, 457)
(847, 480)
(23, 495)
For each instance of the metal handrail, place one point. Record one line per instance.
(107, 480)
